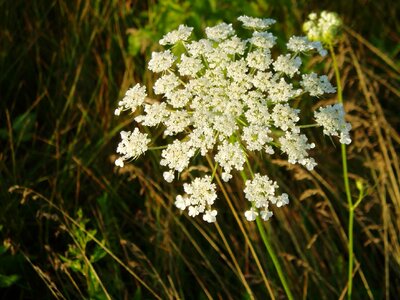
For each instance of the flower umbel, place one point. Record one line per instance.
(226, 97)
(325, 27)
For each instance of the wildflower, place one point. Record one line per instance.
(303, 44)
(222, 98)
(134, 97)
(161, 61)
(220, 32)
(173, 37)
(256, 23)
(331, 118)
(132, 145)
(200, 197)
(325, 28)
(316, 85)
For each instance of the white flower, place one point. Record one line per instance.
(263, 39)
(285, 117)
(176, 122)
(324, 28)
(266, 214)
(303, 44)
(281, 91)
(189, 66)
(222, 97)
(287, 65)
(296, 146)
(210, 216)
(132, 145)
(178, 98)
(331, 118)
(161, 61)
(181, 202)
(155, 114)
(202, 138)
(173, 37)
(282, 200)
(199, 48)
(200, 196)
(316, 85)
(256, 23)
(169, 176)
(259, 59)
(261, 191)
(220, 32)
(230, 156)
(256, 137)
(251, 214)
(177, 155)
(232, 46)
(166, 84)
(133, 98)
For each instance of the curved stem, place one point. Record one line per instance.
(346, 182)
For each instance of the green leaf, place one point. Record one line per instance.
(98, 254)
(8, 280)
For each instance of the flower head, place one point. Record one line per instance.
(225, 97)
(325, 28)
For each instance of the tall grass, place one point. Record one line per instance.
(72, 226)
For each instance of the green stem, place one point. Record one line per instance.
(346, 183)
(270, 250)
(274, 258)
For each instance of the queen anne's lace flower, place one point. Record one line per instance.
(222, 98)
(161, 61)
(303, 44)
(132, 145)
(200, 196)
(256, 23)
(173, 37)
(261, 191)
(325, 27)
(316, 85)
(220, 32)
(134, 97)
(331, 118)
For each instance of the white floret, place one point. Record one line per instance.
(161, 61)
(181, 34)
(132, 145)
(133, 98)
(331, 118)
(263, 39)
(220, 32)
(177, 155)
(316, 85)
(256, 23)
(287, 65)
(229, 157)
(295, 146)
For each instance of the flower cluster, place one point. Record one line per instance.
(331, 118)
(325, 27)
(225, 97)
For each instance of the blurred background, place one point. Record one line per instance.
(73, 226)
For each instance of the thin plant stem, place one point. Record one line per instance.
(252, 250)
(346, 183)
(274, 258)
(270, 249)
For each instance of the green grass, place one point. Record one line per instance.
(73, 226)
